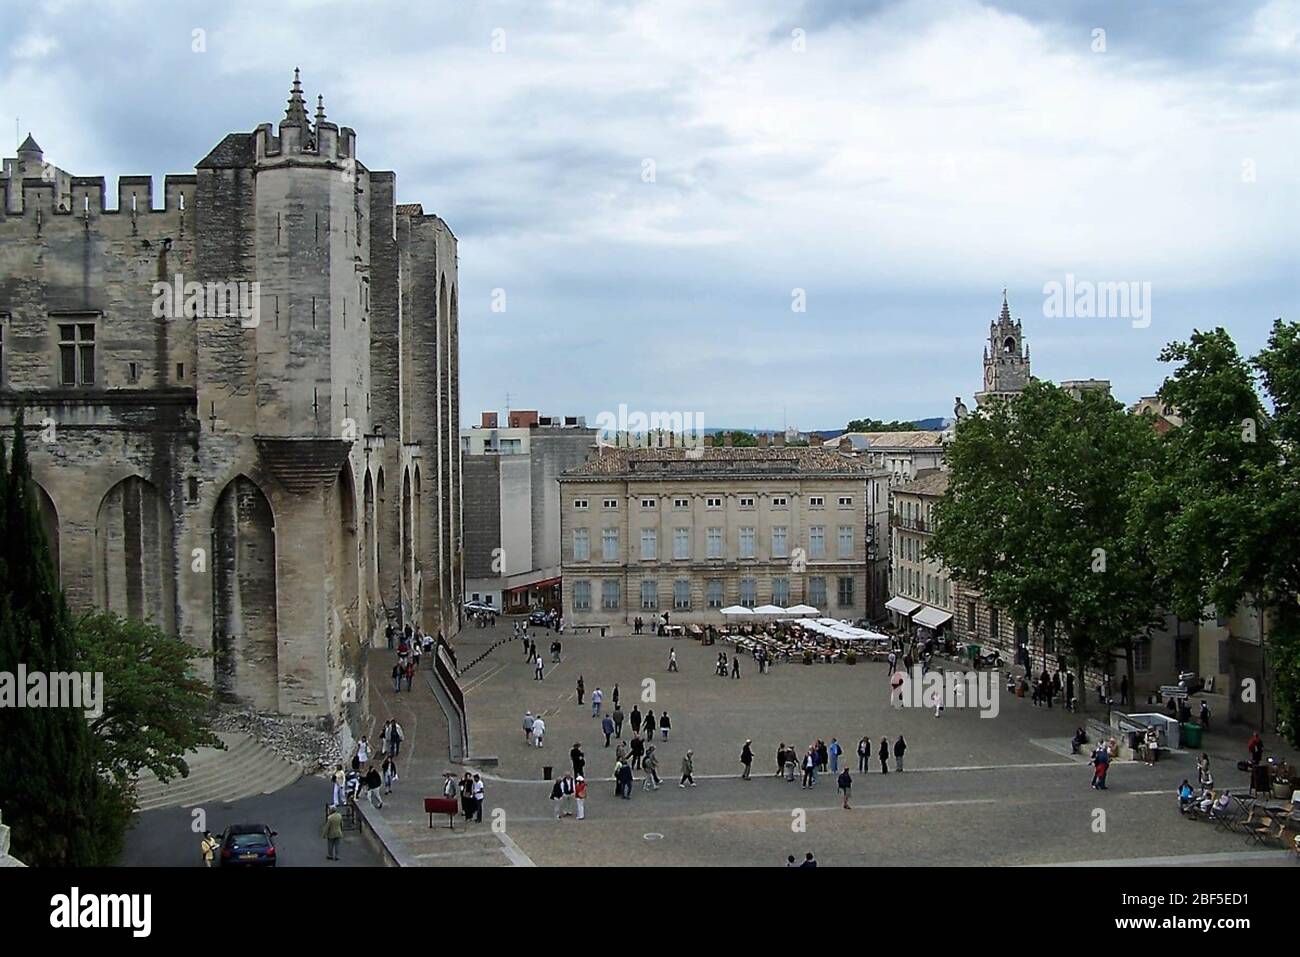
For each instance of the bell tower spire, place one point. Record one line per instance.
(1006, 358)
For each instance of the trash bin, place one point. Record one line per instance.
(1191, 735)
(546, 772)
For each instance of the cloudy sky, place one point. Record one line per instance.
(651, 183)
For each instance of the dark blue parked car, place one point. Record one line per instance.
(248, 845)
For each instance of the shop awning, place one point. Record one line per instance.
(904, 606)
(932, 617)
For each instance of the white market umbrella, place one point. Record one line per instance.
(737, 610)
(803, 611)
(769, 610)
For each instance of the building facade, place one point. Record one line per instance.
(512, 506)
(691, 531)
(243, 404)
(923, 594)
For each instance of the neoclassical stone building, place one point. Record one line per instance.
(691, 531)
(242, 404)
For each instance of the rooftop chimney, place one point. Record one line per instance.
(762, 440)
(728, 440)
(779, 440)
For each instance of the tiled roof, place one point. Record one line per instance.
(410, 209)
(899, 440)
(235, 150)
(928, 482)
(685, 463)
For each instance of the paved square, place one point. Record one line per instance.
(976, 791)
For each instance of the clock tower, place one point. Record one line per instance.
(1006, 358)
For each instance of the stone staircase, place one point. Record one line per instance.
(244, 769)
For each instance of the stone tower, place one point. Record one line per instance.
(1006, 358)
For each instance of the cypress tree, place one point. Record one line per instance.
(48, 778)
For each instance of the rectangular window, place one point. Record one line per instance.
(846, 592)
(715, 592)
(77, 353)
(580, 503)
(972, 623)
(581, 545)
(649, 544)
(609, 503)
(846, 541)
(713, 503)
(749, 592)
(781, 591)
(681, 543)
(747, 542)
(681, 503)
(817, 592)
(180, 371)
(846, 501)
(681, 594)
(609, 594)
(713, 539)
(649, 594)
(582, 596)
(816, 501)
(780, 547)
(746, 501)
(779, 501)
(1142, 656)
(648, 503)
(609, 544)
(817, 541)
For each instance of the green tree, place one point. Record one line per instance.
(878, 425)
(1034, 517)
(1220, 512)
(155, 708)
(64, 814)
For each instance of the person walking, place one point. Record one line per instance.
(580, 795)
(835, 751)
(636, 750)
(823, 756)
(539, 730)
(1100, 765)
(528, 727)
(635, 720)
(578, 758)
(397, 679)
(339, 779)
(467, 796)
(735, 666)
(362, 755)
(618, 720)
(208, 849)
(780, 759)
(900, 748)
(672, 659)
(1255, 748)
(539, 668)
(389, 772)
(409, 674)
(625, 780)
(581, 689)
(395, 738)
(864, 754)
(614, 695)
(845, 784)
(596, 699)
(746, 759)
(332, 833)
(1205, 714)
(557, 797)
(607, 728)
(666, 725)
(651, 766)
(688, 769)
(809, 769)
(884, 755)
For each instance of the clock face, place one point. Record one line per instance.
(988, 375)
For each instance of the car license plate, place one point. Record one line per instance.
(248, 857)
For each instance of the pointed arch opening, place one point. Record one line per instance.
(245, 640)
(50, 523)
(135, 567)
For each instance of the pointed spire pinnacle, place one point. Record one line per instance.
(320, 109)
(29, 145)
(1006, 309)
(296, 113)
